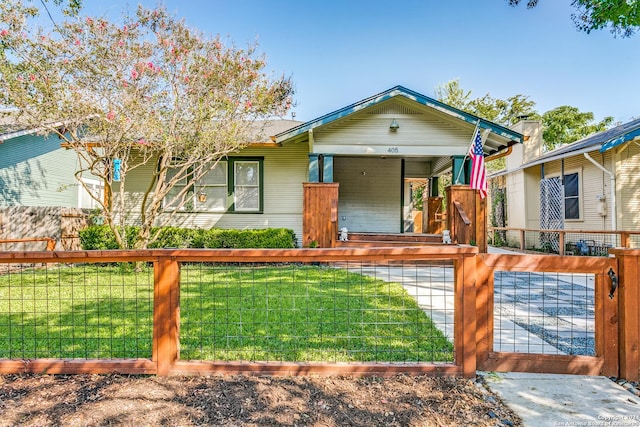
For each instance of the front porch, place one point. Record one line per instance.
(467, 221)
(365, 161)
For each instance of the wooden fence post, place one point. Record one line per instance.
(629, 315)
(624, 239)
(465, 314)
(484, 310)
(166, 314)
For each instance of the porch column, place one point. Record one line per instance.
(458, 163)
(320, 167)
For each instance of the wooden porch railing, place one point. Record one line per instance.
(589, 242)
(51, 243)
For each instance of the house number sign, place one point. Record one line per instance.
(393, 150)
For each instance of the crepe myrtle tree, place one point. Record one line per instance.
(147, 93)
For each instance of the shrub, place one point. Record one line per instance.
(100, 237)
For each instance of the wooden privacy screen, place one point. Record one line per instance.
(320, 214)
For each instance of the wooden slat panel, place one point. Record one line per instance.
(319, 214)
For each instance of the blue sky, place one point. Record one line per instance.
(339, 52)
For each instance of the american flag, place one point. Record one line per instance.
(478, 171)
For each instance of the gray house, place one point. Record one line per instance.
(36, 171)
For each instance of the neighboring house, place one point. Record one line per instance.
(36, 171)
(371, 150)
(591, 184)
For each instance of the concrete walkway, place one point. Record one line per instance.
(539, 399)
(565, 400)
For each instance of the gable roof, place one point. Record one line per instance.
(602, 141)
(512, 136)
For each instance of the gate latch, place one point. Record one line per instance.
(614, 282)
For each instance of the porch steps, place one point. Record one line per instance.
(379, 239)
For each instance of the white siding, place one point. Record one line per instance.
(628, 188)
(421, 132)
(369, 198)
(593, 183)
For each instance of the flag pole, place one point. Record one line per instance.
(473, 137)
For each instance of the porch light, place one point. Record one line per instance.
(394, 125)
(202, 196)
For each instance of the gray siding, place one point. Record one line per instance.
(36, 171)
(369, 197)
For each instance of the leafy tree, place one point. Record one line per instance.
(149, 93)
(566, 124)
(502, 111)
(622, 17)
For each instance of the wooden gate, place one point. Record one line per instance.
(598, 275)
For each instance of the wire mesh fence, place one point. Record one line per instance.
(75, 311)
(329, 312)
(546, 313)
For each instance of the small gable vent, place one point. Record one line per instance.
(393, 109)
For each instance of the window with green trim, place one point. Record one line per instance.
(232, 185)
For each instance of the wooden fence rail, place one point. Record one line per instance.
(626, 238)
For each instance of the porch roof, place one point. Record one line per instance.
(508, 137)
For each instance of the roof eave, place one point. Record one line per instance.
(612, 143)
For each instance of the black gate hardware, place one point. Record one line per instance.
(614, 282)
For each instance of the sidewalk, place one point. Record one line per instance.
(565, 400)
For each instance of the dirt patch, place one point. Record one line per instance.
(82, 400)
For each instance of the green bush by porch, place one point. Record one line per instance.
(100, 237)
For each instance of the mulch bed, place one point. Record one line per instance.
(102, 400)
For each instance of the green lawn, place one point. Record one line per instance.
(267, 313)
